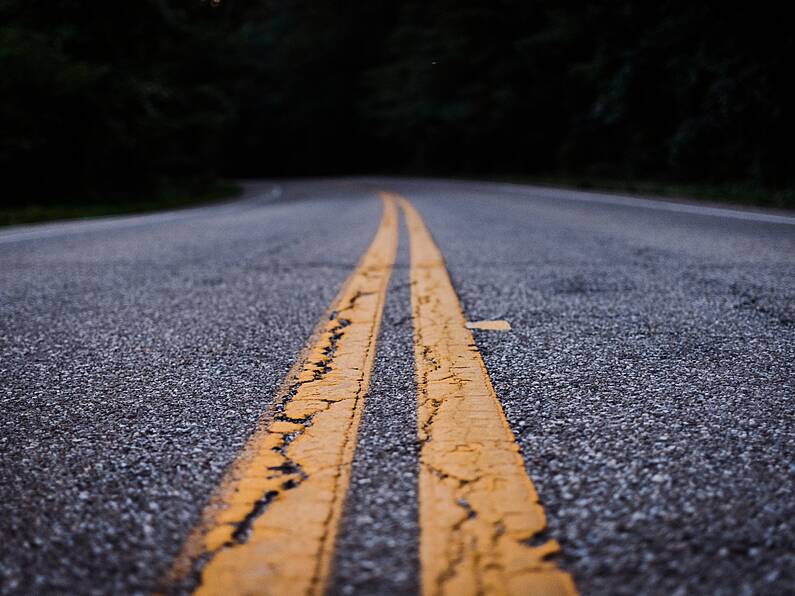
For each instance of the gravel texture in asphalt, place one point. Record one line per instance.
(377, 549)
(648, 377)
(136, 361)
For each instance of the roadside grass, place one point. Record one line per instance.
(733, 194)
(173, 198)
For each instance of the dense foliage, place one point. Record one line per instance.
(106, 99)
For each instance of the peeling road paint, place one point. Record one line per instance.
(489, 325)
(478, 508)
(271, 529)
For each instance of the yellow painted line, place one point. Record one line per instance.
(272, 526)
(478, 508)
(489, 325)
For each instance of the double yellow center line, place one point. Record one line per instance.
(272, 525)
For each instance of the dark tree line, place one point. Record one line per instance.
(103, 99)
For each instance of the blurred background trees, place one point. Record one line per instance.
(107, 100)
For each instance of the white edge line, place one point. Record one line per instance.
(66, 227)
(588, 197)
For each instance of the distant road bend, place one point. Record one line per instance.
(400, 386)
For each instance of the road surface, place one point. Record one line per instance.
(625, 427)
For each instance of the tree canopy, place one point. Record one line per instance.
(106, 99)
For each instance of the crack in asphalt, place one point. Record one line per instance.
(478, 506)
(303, 449)
(291, 470)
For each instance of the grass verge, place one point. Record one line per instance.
(173, 198)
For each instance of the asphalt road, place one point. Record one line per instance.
(648, 377)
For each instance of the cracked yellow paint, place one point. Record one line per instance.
(478, 507)
(489, 325)
(271, 529)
